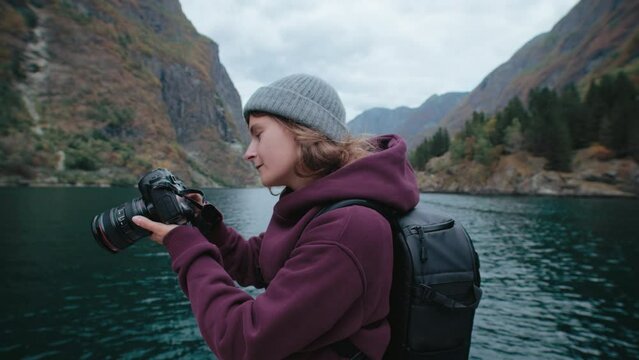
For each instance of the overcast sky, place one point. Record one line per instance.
(376, 53)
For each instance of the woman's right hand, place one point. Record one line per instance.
(197, 197)
(206, 215)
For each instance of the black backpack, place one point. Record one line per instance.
(435, 288)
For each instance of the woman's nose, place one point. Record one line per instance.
(250, 152)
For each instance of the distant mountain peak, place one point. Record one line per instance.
(410, 123)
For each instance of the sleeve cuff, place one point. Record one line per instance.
(210, 218)
(180, 239)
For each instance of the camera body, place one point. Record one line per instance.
(162, 200)
(159, 189)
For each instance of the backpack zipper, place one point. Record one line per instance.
(421, 230)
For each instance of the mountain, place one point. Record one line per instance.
(595, 38)
(410, 123)
(101, 92)
(379, 120)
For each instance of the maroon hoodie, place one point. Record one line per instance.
(327, 278)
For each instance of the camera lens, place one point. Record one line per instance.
(114, 230)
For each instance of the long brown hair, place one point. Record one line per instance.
(319, 155)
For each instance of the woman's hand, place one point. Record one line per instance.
(197, 197)
(158, 229)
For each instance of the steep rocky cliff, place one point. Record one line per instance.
(411, 123)
(100, 92)
(595, 38)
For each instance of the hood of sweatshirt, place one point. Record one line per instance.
(384, 176)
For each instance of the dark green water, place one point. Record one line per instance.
(559, 276)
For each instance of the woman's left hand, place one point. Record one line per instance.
(158, 229)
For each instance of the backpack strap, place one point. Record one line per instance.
(427, 293)
(346, 349)
(383, 210)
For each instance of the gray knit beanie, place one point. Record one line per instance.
(304, 99)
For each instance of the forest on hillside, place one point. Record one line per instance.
(552, 124)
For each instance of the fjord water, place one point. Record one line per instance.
(559, 277)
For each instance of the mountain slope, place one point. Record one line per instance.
(99, 92)
(595, 38)
(410, 123)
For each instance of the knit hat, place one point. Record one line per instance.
(304, 99)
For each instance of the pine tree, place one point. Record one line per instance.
(501, 123)
(622, 113)
(542, 105)
(633, 135)
(421, 155)
(600, 101)
(482, 151)
(457, 147)
(474, 125)
(576, 116)
(439, 143)
(514, 110)
(513, 137)
(596, 109)
(548, 132)
(559, 154)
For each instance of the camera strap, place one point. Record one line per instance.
(183, 194)
(209, 214)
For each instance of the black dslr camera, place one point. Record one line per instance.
(162, 200)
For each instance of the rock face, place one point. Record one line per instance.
(596, 37)
(110, 90)
(594, 173)
(413, 124)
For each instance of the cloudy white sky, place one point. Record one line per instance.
(376, 53)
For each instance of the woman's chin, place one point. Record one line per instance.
(265, 182)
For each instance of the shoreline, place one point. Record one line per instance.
(421, 191)
(516, 194)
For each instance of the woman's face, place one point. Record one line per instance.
(274, 153)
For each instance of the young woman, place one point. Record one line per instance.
(327, 278)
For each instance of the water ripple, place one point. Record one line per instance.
(559, 278)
